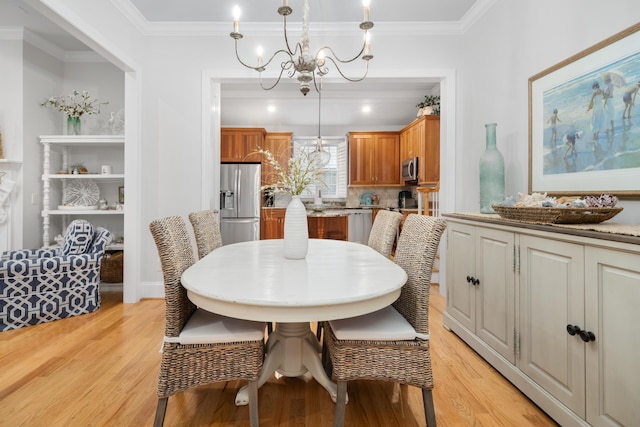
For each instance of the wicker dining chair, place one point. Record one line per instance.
(393, 343)
(206, 230)
(384, 231)
(199, 347)
(381, 238)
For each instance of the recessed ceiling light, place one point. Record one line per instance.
(271, 108)
(366, 109)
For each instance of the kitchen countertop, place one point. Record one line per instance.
(337, 208)
(340, 210)
(328, 213)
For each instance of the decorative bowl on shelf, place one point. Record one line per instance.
(566, 215)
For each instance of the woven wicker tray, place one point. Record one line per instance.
(557, 215)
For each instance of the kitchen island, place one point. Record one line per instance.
(331, 224)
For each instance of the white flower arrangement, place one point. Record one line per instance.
(74, 107)
(301, 171)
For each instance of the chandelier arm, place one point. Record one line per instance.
(342, 61)
(282, 65)
(292, 53)
(275, 84)
(357, 79)
(263, 66)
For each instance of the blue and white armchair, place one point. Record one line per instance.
(41, 285)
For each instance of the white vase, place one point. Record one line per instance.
(296, 231)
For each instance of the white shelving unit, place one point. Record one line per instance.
(93, 151)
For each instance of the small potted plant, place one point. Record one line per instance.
(429, 106)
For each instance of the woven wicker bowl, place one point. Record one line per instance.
(557, 215)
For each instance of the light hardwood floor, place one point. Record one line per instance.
(100, 369)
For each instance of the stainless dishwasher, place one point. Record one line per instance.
(359, 225)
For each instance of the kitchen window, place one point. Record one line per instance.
(335, 173)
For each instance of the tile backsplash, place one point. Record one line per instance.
(388, 195)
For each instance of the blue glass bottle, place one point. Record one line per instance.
(491, 172)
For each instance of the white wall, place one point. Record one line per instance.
(43, 77)
(512, 42)
(11, 127)
(491, 65)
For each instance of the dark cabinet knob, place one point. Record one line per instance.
(473, 280)
(587, 336)
(572, 329)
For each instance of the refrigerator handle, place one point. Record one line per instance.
(237, 186)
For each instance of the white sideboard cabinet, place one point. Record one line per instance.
(60, 153)
(553, 309)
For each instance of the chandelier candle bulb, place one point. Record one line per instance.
(367, 44)
(260, 52)
(367, 10)
(236, 19)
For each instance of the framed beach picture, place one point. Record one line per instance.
(584, 121)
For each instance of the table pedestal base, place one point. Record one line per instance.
(292, 350)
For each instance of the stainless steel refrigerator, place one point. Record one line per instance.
(240, 202)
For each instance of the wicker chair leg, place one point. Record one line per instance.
(160, 411)
(326, 362)
(341, 403)
(429, 410)
(254, 418)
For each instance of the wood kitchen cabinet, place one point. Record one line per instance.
(573, 341)
(238, 145)
(328, 227)
(374, 158)
(279, 144)
(272, 223)
(421, 139)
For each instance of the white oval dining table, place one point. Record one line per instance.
(254, 281)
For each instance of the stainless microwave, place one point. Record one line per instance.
(410, 170)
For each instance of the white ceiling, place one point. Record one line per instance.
(320, 10)
(392, 101)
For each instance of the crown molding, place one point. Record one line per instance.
(27, 36)
(479, 8)
(148, 28)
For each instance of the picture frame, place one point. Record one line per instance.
(121, 195)
(574, 146)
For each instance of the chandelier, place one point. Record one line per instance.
(299, 60)
(320, 155)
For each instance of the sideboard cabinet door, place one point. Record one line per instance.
(612, 296)
(552, 297)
